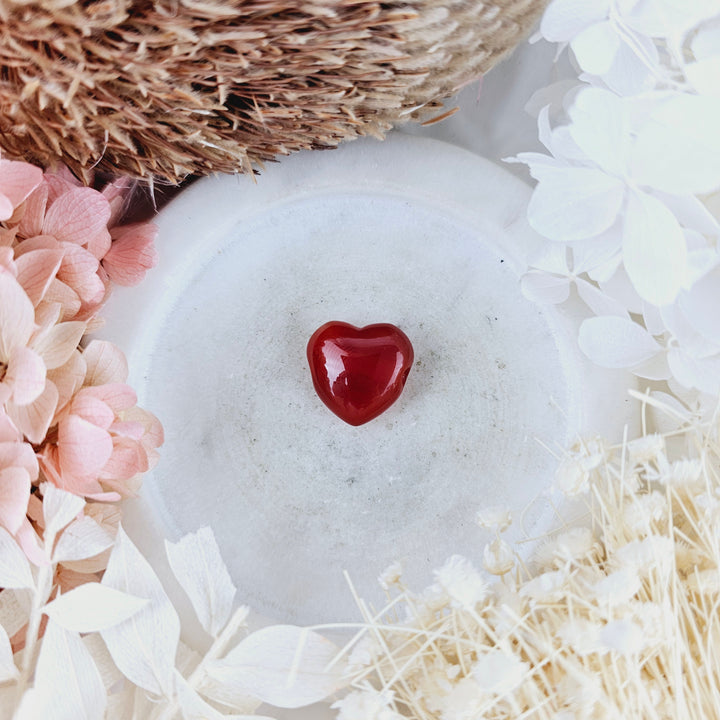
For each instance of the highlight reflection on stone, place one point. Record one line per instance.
(359, 372)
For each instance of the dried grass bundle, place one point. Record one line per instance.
(175, 87)
(616, 616)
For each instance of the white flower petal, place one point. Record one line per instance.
(655, 253)
(599, 127)
(595, 47)
(701, 374)
(616, 342)
(700, 306)
(631, 71)
(666, 18)
(564, 19)
(678, 149)
(574, 203)
(598, 301)
(705, 76)
(543, 288)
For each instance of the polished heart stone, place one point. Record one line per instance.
(359, 372)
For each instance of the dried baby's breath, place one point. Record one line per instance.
(611, 620)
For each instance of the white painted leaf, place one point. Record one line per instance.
(59, 508)
(541, 287)
(143, 646)
(678, 149)
(616, 342)
(67, 683)
(8, 671)
(83, 538)
(564, 19)
(282, 665)
(595, 47)
(199, 568)
(574, 203)
(14, 566)
(654, 249)
(92, 607)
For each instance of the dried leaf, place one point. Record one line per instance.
(196, 563)
(14, 566)
(193, 707)
(92, 607)
(144, 646)
(83, 538)
(59, 508)
(8, 671)
(282, 665)
(67, 683)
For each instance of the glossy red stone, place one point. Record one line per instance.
(359, 372)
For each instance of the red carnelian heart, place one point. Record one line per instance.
(359, 372)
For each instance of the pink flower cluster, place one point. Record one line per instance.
(66, 415)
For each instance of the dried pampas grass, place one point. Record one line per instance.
(615, 617)
(176, 87)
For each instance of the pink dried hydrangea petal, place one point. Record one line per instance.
(57, 344)
(14, 494)
(100, 244)
(77, 216)
(17, 181)
(133, 430)
(117, 192)
(106, 363)
(26, 375)
(6, 208)
(30, 544)
(62, 294)
(36, 270)
(154, 435)
(127, 460)
(132, 253)
(33, 420)
(117, 395)
(15, 453)
(37, 242)
(17, 316)
(83, 448)
(34, 212)
(59, 183)
(95, 411)
(8, 431)
(68, 378)
(79, 271)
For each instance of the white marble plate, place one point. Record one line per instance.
(413, 232)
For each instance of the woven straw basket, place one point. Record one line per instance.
(175, 87)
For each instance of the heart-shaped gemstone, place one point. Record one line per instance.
(359, 372)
